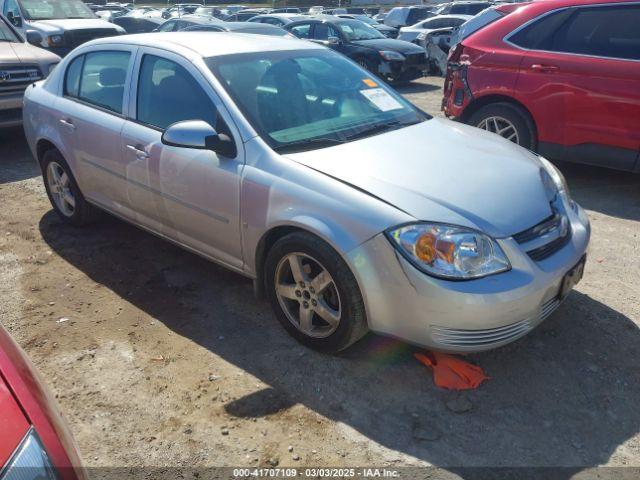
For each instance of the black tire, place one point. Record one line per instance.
(83, 212)
(514, 114)
(353, 321)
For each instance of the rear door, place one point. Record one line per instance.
(91, 119)
(581, 82)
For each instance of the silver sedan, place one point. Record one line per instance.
(351, 209)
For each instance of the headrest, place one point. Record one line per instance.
(112, 77)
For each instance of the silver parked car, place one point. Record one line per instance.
(285, 161)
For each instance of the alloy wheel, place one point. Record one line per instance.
(60, 189)
(308, 295)
(501, 126)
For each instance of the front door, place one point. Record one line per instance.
(191, 196)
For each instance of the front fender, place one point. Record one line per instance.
(277, 192)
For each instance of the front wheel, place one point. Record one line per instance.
(508, 121)
(314, 294)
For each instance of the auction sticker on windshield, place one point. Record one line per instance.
(381, 99)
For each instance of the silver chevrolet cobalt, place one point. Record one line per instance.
(351, 209)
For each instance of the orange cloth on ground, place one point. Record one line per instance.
(452, 372)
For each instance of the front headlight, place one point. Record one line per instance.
(55, 40)
(391, 55)
(448, 251)
(29, 462)
(558, 179)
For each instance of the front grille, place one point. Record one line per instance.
(454, 337)
(549, 307)
(74, 38)
(556, 227)
(17, 78)
(416, 59)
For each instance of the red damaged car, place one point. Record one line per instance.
(561, 77)
(34, 441)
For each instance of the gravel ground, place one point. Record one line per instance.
(159, 358)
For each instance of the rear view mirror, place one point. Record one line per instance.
(199, 135)
(33, 37)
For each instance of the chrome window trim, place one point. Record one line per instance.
(506, 38)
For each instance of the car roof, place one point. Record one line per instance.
(201, 44)
(230, 26)
(450, 15)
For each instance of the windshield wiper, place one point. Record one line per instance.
(312, 143)
(379, 128)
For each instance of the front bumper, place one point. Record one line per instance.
(11, 110)
(463, 316)
(403, 70)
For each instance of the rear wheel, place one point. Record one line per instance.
(508, 121)
(313, 293)
(63, 192)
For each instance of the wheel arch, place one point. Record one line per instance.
(43, 146)
(303, 224)
(484, 100)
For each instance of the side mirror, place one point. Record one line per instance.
(33, 37)
(199, 135)
(333, 41)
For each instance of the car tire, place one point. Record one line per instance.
(63, 191)
(340, 294)
(507, 115)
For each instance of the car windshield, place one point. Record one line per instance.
(304, 100)
(55, 9)
(6, 34)
(355, 30)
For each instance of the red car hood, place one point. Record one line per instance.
(13, 424)
(29, 401)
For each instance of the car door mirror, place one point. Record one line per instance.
(33, 37)
(333, 41)
(199, 135)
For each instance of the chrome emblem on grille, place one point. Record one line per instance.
(5, 76)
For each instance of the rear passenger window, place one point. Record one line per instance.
(72, 80)
(602, 31)
(301, 31)
(539, 35)
(167, 94)
(102, 79)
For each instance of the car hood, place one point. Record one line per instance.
(64, 24)
(390, 44)
(25, 53)
(443, 171)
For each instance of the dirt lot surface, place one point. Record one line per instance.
(158, 357)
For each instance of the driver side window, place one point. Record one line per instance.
(167, 93)
(324, 31)
(11, 9)
(167, 26)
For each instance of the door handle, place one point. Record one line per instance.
(67, 122)
(139, 151)
(544, 68)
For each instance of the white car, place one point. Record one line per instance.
(410, 34)
(62, 24)
(285, 161)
